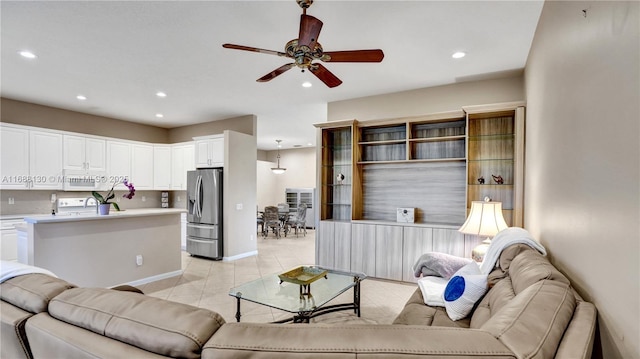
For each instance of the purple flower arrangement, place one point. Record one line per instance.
(110, 195)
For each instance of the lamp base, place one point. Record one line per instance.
(477, 254)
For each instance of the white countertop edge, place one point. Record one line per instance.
(142, 212)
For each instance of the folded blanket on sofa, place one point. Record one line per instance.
(9, 269)
(438, 264)
(502, 240)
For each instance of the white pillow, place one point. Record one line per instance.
(463, 290)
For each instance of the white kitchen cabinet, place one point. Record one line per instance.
(142, 166)
(118, 161)
(161, 167)
(45, 160)
(9, 239)
(14, 157)
(182, 160)
(209, 151)
(84, 153)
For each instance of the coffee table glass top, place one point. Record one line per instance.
(287, 296)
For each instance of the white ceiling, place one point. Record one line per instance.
(120, 53)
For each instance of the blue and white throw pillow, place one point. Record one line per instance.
(463, 290)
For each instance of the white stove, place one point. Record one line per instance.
(76, 205)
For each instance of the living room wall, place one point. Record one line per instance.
(583, 158)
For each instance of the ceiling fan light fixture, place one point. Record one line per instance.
(278, 170)
(307, 84)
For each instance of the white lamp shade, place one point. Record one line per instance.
(278, 170)
(485, 219)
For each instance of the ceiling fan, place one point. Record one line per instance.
(306, 48)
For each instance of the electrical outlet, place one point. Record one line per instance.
(178, 200)
(53, 198)
(11, 200)
(139, 260)
(238, 206)
(144, 199)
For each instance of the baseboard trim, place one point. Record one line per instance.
(154, 278)
(240, 256)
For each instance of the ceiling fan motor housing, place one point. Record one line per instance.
(304, 3)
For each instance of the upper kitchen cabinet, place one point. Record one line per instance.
(209, 151)
(118, 161)
(161, 167)
(45, 160)
(142, 166)
(182, 160)
(14, 154)
(84, 153)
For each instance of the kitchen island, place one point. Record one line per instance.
(134, 246)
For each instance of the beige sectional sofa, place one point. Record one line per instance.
(531, 311)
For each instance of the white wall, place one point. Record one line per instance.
(301, 172)
(582, 169)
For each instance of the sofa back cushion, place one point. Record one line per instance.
(32, 292)
(157, 325)
(530, 267)
(530, 308)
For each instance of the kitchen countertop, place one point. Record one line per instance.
(74, 217)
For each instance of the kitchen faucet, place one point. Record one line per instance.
(86, 202)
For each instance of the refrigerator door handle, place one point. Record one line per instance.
(198, 202)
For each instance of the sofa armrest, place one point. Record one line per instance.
(243, 340)
(577, 342)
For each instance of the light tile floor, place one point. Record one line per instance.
(205, 283)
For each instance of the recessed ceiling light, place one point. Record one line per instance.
(159, 115)
(27, 54)
(306, 84)
(161, 94)
(459, 55)
(81, 97)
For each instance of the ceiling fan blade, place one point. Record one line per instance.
(325, 75)
(275, 73)
(355, 56)
(254, 49)
(309, 30)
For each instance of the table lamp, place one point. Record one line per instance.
(485, 219)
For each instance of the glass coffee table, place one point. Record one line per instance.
(305, 301)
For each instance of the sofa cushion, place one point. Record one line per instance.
(157, 325)
(415, 312)
(534, 321)
(32, 292)
(530, 267)
(271, 341)
(493, 301)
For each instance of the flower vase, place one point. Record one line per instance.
(103, 209)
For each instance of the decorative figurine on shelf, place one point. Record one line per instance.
(481, 180)
(339, 178)
(498, 179)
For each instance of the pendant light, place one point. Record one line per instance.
(278, 170)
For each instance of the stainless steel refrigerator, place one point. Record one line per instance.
(204, 217)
